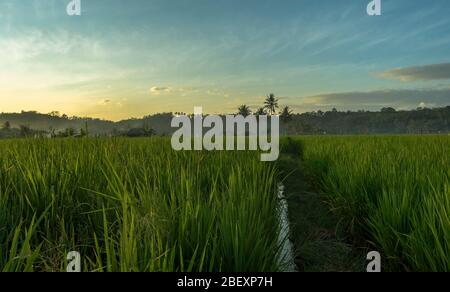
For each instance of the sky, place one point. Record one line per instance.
(123, 58)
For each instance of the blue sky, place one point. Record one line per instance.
(124, 59)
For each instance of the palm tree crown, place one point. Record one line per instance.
(244, 110)
(261, 112)
(271, 104)
(286, 114)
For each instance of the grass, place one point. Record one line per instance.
(390, 191)
(319, 243)
(135, 205)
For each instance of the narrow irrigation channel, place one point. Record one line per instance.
(287, 254)
(316, 243)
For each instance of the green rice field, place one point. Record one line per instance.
(390, 191)
(137, 205)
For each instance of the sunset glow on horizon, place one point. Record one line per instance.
(123, 59)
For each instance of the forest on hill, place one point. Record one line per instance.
(333, 122)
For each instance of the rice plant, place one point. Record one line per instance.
(135, 205)
(392, 191)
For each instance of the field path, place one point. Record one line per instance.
(319, 246)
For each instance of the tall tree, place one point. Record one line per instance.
(244, 110)
(271, 104)
(388, 110)
(286, 114)
(261, 112)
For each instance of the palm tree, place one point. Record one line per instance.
(286, 114)
(261, 112)
(244, 110)
(271, 104)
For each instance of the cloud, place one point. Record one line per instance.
(155, 90)
(108, 103)
(190, 91)
(426, 105)
(35, 44)
(105, 101)
(372, 100)
(419, 73)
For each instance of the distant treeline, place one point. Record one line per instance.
(386, 121)
(333, 122)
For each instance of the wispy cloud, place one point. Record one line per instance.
(170, 55)
(104, 101)
(156, 90)
(34, 43)
(419, 73)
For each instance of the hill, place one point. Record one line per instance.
(386, 121)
